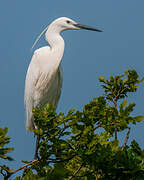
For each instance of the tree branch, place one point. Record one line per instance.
(115, 104)
(31, 163)
(78, 169)
(99, 125)
(20, 168)
(126, 138)
(60, 161)
(115, 133)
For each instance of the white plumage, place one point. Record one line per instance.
(44, 76)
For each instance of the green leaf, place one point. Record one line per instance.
(139, 118)
(101, 78)
(124, 103)
(125, 80)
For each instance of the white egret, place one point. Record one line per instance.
(44, 76)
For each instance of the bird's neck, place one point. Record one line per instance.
(54, 38)
(57, 45)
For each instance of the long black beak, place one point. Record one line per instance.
(86, 27)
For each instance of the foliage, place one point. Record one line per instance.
(4, 140)
(85, 144)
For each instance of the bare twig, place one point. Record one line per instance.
(115, 104)
(63, 160)
(115, 133)
(99, 125)
(1, 171)
(24, 172)
(32, 163)
(26, 165)
(78, 169)
(126, 138)
(22, 167)
(37, 147)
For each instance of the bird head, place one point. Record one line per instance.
(64, 23)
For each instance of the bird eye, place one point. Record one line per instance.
(68, 21)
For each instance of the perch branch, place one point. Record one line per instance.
(20, 168)
(126, 138)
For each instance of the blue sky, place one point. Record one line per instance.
(87, 56)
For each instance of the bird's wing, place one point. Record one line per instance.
(31, 79)
(48, 87)
(43, 83)
(59, 84)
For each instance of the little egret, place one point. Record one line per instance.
(44, 76)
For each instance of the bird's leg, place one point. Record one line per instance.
(37, 146)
